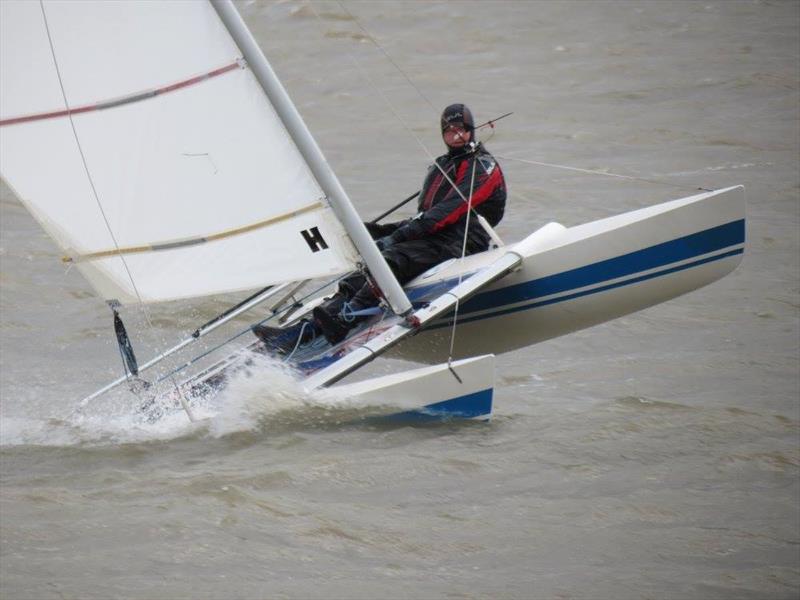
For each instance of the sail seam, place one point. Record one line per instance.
(129, 99)
(173, 244)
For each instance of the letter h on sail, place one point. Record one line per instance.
(314, 239)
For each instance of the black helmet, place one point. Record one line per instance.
(458, 114)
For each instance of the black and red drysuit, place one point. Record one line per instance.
(464, 177)
(460, 179)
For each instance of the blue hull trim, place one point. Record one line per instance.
(470, 406)
(660, 255)
(604, 288)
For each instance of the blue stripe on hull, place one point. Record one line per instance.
(660, 255)
(604, 288)
(469, 406)
(646, 259)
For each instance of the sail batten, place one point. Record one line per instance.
(173, 244)
(200, 189)
(134, 97)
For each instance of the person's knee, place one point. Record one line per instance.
(364, 298)
(350, 285)
(396, 261)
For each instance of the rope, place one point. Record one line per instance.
(300, 339)
(386, 54)
(94, 189)
(386, 99)
(605, 173)
(348, 313)
(461, 275)
(433, 108)
(375, 87)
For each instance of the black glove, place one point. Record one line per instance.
(378, 230)
(373, 228)
(383, 243)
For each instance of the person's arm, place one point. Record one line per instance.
(453, 207)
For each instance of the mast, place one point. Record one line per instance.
(312, 154)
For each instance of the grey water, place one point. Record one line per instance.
(656, 456)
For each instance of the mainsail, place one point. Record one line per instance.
(140, 139)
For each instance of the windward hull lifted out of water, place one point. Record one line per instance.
(589, 274)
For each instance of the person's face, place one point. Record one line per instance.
(456, 136)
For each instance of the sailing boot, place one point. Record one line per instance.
(331, 325)
(348, 287)
(327, 316)
(334, 318)
(283, 340)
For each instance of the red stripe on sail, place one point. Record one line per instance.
(120, 101)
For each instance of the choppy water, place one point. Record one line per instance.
(653, 457)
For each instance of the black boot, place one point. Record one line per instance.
(327, 318)
(348, 287)
(331, 326)
(334, 319)
(283, 340)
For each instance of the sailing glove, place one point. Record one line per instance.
(383, 243)
(377, 230)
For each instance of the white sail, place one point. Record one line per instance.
(167, 173)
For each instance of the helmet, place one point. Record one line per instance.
(458, 114)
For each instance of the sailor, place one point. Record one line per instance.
(467, 175)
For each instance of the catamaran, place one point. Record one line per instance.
(113, 112)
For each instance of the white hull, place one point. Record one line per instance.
(589, 274)
(463, 390)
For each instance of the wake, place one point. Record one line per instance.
(264, 396)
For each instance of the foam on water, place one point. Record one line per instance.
(267, 393)
(266, 388)
(95, 429)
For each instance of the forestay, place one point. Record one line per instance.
(162, 164)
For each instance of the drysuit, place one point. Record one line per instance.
(436, 234)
